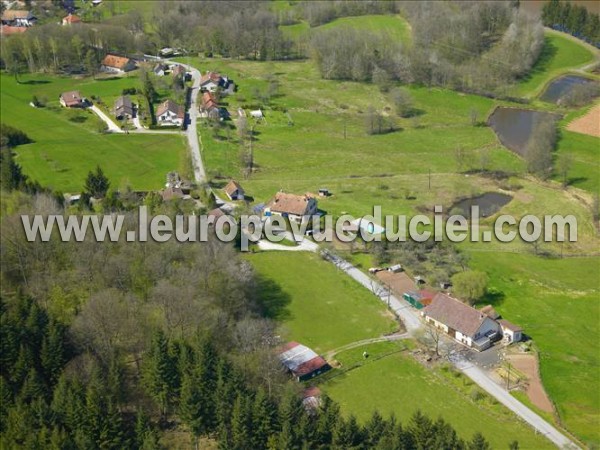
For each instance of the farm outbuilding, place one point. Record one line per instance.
(302, 362)
(419, 299)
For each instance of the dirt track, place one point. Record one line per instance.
(587, 124)
(528, 365)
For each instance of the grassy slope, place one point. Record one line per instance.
(400, 385)
(560, 55)
(394, 26)
(63, 151)
(585, 151)
(326, 308)
(556, 301)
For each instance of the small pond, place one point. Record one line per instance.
(489, 204)
(562, 86)
(514, 126)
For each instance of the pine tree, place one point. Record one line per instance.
(52, 354)
(96, 184)
(159, 372)
(374, 429)
(478, 443)
(240, 423)
(190, 405)
(422, 430)
(263, 419)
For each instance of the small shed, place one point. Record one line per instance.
(395, 268)
(257, 114)
(323, 192)
(510, 331)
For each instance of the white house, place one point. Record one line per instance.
(295, 207)
(18, 18)
(234, 190)
(170, 113)
(461, 322)
(510, 332)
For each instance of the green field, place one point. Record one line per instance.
(559, 55)
(584, 151)
(324, 308)
(556, 301)
(64, 150)
(393, 26)
(400, 385)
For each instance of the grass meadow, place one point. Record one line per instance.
(398, 384)
(325, 309)
(67, 144)
(556, 302)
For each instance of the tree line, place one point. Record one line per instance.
(573, 19)
(471, 46)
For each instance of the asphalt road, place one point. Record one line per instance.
(191, 132)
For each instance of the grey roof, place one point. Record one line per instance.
(124, 104)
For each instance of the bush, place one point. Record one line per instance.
(476, 395)
(12, 136)
(129, 91)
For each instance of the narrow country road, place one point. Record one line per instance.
(192, 134)
(412, 323)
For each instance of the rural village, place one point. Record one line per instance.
(300, 343)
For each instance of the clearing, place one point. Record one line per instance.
(587, 124)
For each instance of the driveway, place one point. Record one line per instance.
(303, 244)
(112, 127)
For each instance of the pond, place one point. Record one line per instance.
(563, 86)
(489, 204)
(514, 126)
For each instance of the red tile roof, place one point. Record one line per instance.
(115, 61)
(233, 186)
(7, 30)
(289, 203)
(71, 98)
(71, 18)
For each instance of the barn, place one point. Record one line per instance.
(302, 362)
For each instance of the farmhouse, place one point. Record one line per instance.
(170, 113)
(209, 108)
(302, 362)
(123, 108)
(211, 81)
(295, 207)
(234, 191)
(178, 71)
(71, 19)
(462, 322)
(117, 64)
(18, 18)
(160, 69)
(72, 99)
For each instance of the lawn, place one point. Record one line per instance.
(559, 55)
(584, 151)
(556, 302)
(323, 308)
(400, 385)
(65, 150)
